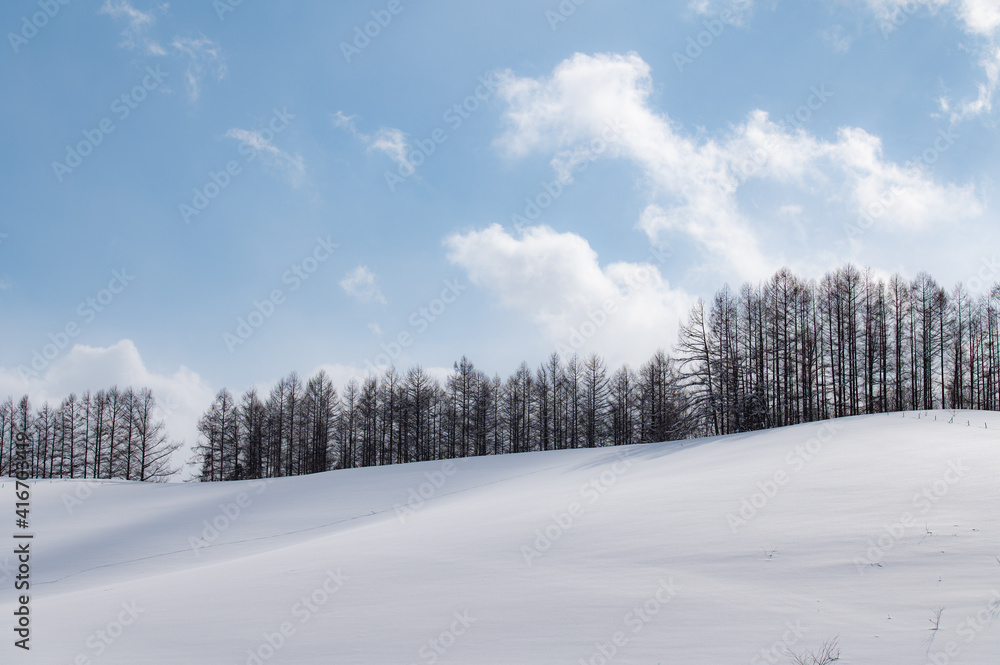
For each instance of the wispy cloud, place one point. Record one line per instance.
(387, 140)
(291, 167)
(835, 37)
(980, 20)
(360, 285)
(204, 59)
(393, 143)
(736, 10)
(345, 122)
(137, 25)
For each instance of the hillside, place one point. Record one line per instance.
(706, 551)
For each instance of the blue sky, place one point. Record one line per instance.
(492, 179)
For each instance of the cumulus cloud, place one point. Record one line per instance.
(292, 167)
(360, 285)
(980, 16)
(622, 309)
(694, 179)
(181, 396)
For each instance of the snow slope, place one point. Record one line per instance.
(862, 528)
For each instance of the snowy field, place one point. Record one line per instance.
(717, 551)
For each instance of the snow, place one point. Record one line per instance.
(644, 561)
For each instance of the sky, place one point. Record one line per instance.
(208, 195)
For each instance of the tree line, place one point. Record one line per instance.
(779, 352)
(112, 433)
(395, 418)
(788, 351)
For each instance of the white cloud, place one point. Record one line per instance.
(138, 24)
(694, 179)
(344, 122)
(360, 285)
(181, 397)
(204, 58)
(914, 201)
(556, 280)
(990, 62)
(393, 143)
(292, 167)
(738, 9)
(890, 12)
(387, 140)
(980, 19)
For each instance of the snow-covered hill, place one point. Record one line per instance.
(715, 551)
